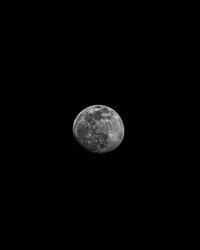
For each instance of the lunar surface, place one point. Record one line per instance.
(98, 129)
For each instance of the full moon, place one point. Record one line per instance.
(98, 129)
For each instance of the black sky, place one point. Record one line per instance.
(65, 63)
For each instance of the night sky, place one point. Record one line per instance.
(65, 64)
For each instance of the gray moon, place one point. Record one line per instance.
(98, 129)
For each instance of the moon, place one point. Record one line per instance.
(98, 129)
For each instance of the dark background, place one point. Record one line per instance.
(66, 62)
